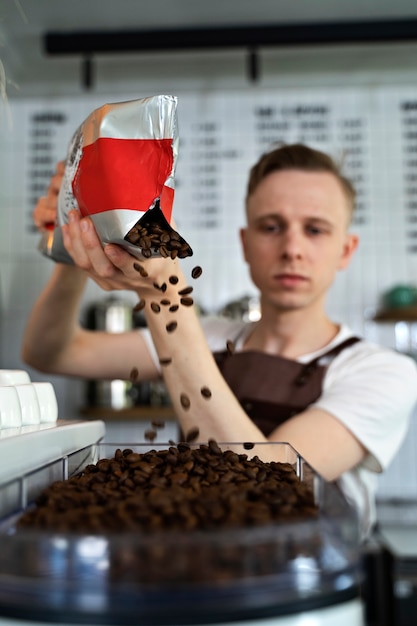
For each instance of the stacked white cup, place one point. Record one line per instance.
(25, 403)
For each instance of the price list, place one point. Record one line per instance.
(352, 138)
(44, 150)
(408, 113)
(205, 171)
(341, 131)
(303, 123)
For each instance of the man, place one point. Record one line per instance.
(294, 376)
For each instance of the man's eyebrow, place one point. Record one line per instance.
(269, 216)
(319, 220)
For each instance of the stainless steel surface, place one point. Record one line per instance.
(114, 315)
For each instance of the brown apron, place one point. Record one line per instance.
(271, 388)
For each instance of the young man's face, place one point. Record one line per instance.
(296, 237)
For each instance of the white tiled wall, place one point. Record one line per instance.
(382, 259)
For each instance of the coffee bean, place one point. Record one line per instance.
(155, 307)
(214, 446)
(230, 346)
(173, 308)
(151, 435)
(185, 291)
(192, 434)
(196, 271)
(134, 373)
(186, 301)
(173, 280)
(205, 392)
(165, 302)
(165, 361)
(140, 305)
(185, 401)
(171, 326)
(139, 268)
(158, 424)
(248, 446)
(153, 234)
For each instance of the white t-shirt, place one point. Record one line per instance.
(371, 389)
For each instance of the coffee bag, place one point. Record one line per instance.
(120, 171)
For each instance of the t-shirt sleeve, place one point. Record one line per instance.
(372, 391)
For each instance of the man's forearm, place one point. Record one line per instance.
(54, 318)
(199, 393)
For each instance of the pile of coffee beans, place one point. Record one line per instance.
(178, 488)
(155, 237)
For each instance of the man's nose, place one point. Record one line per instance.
(291, 244)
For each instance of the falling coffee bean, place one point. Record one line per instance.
(185, 401)
(187, 301)
(185, 291)
(205, 392)
(173, 280)
(173, 308)
(192, 434)
(134, 373)
(171, 327)
(139, 268)
(165, 302)
(151, 435)
(196, 272)
(165, 361)
(158, 424)
(248, 445)
(155, 307)
(139, 306)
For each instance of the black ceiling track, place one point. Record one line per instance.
(93, 42)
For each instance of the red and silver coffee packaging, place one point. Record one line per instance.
(120, 171)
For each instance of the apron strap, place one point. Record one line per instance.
(333, 352)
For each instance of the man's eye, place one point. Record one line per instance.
(314, 230)
(270, 228)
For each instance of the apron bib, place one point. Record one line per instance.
(271, 388)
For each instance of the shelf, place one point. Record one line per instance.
(397, 314)
(135, 413)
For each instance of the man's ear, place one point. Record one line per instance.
(349, 247)
(242, 235)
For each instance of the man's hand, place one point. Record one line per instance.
(112, 267)
(44, 213)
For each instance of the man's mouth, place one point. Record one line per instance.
(290, 279)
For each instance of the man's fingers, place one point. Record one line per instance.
(43, 214)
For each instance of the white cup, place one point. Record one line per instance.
(48, 405)
(14, 377)
(29, 404)
(10, 408)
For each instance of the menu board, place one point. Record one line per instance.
(372, 132)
